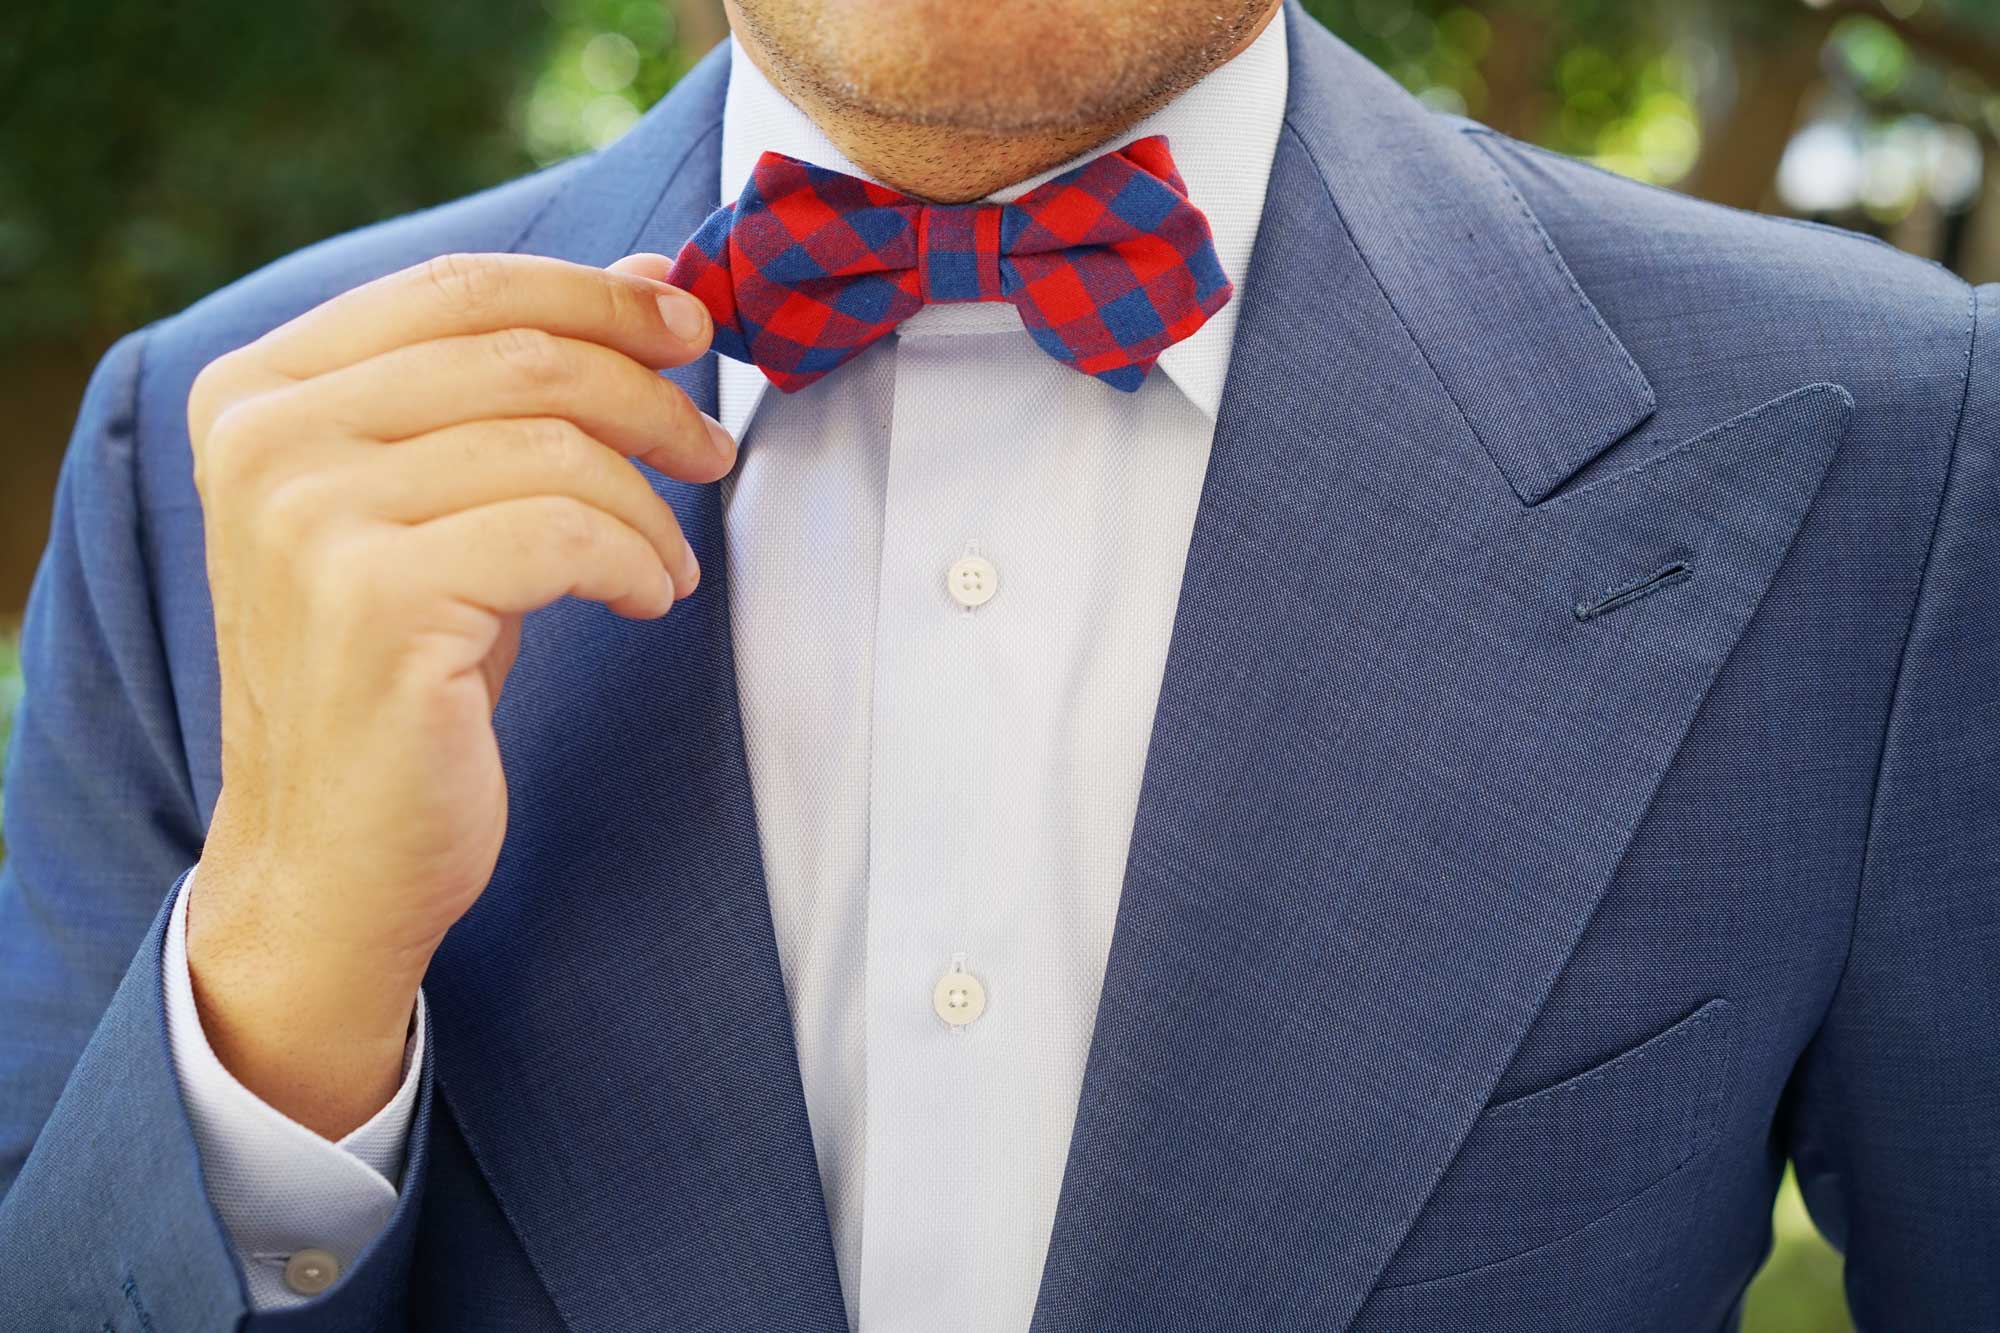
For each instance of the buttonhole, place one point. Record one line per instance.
(1678, 572)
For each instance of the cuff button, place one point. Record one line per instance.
(309, 1272)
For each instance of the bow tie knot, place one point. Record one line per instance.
(958, 252)
(1108, 264)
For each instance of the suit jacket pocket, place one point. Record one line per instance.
(1536, 1168)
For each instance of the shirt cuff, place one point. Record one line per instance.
(279, 1187)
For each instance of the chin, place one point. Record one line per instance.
(999, 67)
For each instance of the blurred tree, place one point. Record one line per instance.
(608, 62)
(151, 152)
(1709, 95)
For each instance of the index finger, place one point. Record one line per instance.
(650, 321)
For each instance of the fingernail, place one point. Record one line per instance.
(682, 574)
(686, 317)
(719, 437)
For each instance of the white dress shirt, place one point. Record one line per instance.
(953, 568)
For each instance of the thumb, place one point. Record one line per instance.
(645, 264)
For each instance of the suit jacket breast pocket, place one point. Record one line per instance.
(1537, 1168)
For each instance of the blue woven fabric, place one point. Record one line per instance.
(1479, 962)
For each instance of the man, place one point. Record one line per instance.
(1389, 784)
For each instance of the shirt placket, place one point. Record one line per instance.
(938, 957)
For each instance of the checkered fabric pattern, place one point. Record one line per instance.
(1108, 264)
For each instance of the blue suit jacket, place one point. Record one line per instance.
(1489, 938)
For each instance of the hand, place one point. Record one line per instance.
(389, 483)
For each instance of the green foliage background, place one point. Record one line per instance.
(151, 152)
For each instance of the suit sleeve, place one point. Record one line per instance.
(1895, 1123)
(105, 1220)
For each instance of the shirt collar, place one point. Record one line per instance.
(1223, 133)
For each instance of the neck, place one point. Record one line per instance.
(942, 163)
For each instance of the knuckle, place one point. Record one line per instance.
(466, 284)
(618, 304)
(531, 354)
(215, 386)
(291, 510)
(572, 528)
(233, 450)
(203, 397)
(555, 445)
(681, 411)
(343, 582)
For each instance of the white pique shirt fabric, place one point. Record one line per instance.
(938, 786)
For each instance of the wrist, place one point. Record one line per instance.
(323, 1051)
(315, 1029)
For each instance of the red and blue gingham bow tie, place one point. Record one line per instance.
(1108, 264)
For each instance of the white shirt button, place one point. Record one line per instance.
(958, 998)
(972, 580)
(309, 1272)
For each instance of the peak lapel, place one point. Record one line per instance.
(1513, 341)
(1392, 771)
(612, 1030)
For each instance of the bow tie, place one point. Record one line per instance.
(1108, 264)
